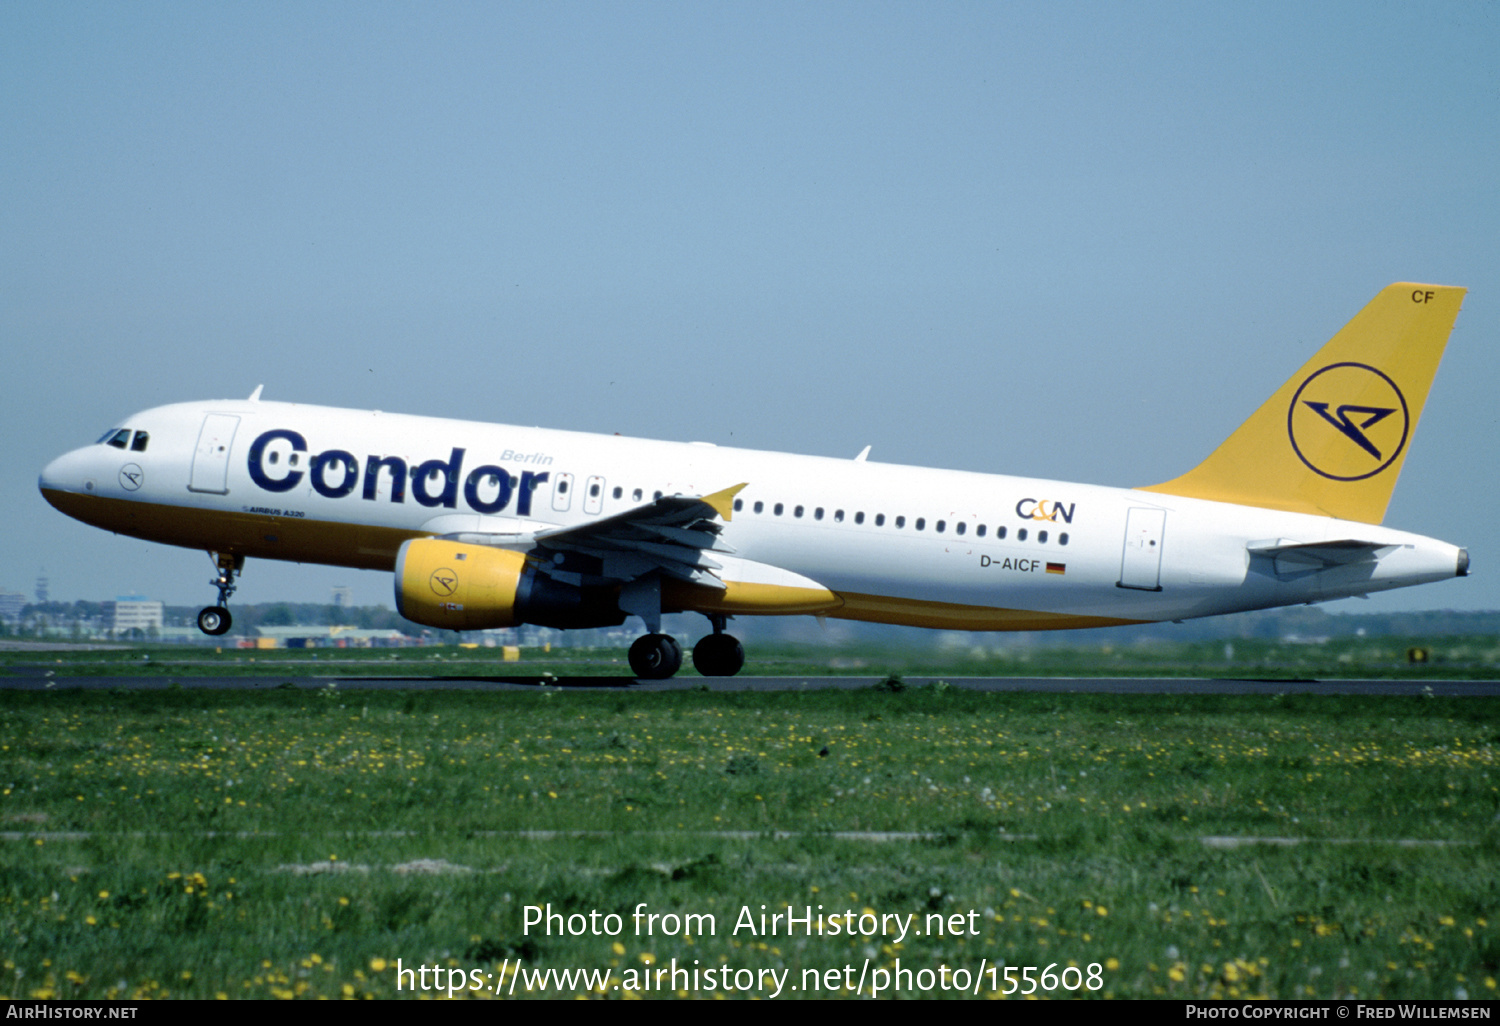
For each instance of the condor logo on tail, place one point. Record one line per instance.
(1348, 422)
(1340, 419)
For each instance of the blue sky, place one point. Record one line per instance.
(1082, 241)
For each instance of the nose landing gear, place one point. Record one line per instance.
(215, 620)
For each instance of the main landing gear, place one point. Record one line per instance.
(657, 656)
(718, 654)
(215, 620)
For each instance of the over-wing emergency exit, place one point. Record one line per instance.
(489, 525)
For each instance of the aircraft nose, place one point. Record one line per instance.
(72, 472)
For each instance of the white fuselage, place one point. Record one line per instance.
(894, 543)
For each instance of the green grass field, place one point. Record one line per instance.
(299, 843)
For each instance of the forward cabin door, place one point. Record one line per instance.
(211, 459)
(1140, 567)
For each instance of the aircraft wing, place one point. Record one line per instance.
(672, 535)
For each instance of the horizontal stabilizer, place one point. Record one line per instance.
(1300, 557)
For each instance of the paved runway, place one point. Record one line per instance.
(38, 679)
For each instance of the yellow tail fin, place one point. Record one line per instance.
(1332, 440)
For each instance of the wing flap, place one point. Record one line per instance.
(671, 536)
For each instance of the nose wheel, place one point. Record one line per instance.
(215, 620)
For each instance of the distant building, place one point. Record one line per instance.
(342, 596)
(133, 612)
(307, 636)
(11, 604)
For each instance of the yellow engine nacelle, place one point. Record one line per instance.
(461, 587)
(458, 587)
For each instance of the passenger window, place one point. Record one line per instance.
(1021, 534)
(900, 522)
(657, 494)
(121, 438)
(594, 490)
(940, 526)
(619, 491)
(739, 504)
(636, 495)
(921, 523)
(838, 516)
(1041, 536)
(818, 513)
(1000, 533)
(562, 487)
(859, 517)
(979, 531)
(1062, 539)
(777, 509)
(760, 507)
(139, 443)
(960, 527)
(879, 519)
(797, 512)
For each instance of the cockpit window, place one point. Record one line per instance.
(139, 443)
(119, 439)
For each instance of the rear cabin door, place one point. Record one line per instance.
(1140, 567)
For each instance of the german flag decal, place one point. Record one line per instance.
(1057, 568)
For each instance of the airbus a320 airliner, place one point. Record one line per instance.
(489, 525)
